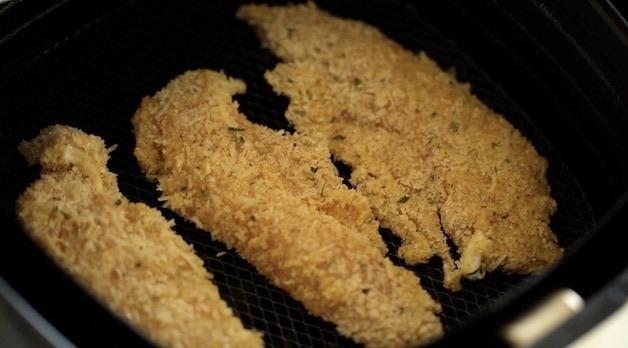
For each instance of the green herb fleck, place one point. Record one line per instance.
(290, 31)
(204, 193)
(235, 136)
(57, 210)
(314, 169)
(299, 112)
(323, 189)
(455, 127)
(504, 216)
(338, 137)
(357, 82)
(183, 188)
(118, 201)
(403, 199)
(434, 113)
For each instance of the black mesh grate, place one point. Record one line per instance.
(94, 79)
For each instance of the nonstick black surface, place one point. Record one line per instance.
(88, 66)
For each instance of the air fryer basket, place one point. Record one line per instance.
(89, 65)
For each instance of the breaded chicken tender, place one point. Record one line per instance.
(428, 154)
(277, 200)
(125, 254)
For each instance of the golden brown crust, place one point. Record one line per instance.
(428, 154)
(123, 253)
(255, 189)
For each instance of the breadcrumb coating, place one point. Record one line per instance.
(433, 160)
(277, 200)
(125, 254)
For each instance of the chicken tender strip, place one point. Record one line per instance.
(238, 181)
(428, 154)
(125, 254)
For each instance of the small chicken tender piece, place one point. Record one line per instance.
(428, 154)
(125, 254)
(256, 190)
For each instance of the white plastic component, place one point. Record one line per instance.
(543, 318)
